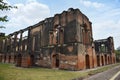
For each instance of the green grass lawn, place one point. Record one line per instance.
(10, 72)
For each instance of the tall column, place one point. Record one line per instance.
(9, 41)
(26, 57)
(5, 50)
(20, 42)
(15, 42)
(3, 44)
(28, 41)
(11, 44)
(11, 55)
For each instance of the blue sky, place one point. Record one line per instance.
(104, 15)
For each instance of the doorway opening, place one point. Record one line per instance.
(98, 60)
(56, 60)
(32, 60)
(87, 61)
(102, 60)
(19, 60)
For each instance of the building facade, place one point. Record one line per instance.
(64, 41)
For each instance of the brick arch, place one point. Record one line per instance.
(102, 60)
(106, 59)
(32, 60)
(56, 60)
(87, 59)
(98, 60)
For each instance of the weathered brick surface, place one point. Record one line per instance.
(64, 41)
(81, 61)
(18, 60)
(13, 59)
(26, 61)
(68, 62)
(8, 58)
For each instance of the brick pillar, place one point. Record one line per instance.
(100, 59)
(26, 58)
(94, 59)
(10, 48)
(104, 59)
(7, 58)
(6, 52)
(26, 61)
(13, 57)
(108, 59)
(20, 42)
(113, 58)
(81, 61)
(14, 50)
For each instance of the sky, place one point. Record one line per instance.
(104, 15)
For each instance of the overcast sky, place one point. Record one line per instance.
(104, 15)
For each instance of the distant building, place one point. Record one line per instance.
(64, 41)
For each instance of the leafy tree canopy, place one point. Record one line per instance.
(5, 6)
(117, 52)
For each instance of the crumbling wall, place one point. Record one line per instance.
(64, 41)
(105, 49)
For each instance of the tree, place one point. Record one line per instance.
(118, 54)
(5, 6)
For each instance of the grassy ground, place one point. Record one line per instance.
(10, 72)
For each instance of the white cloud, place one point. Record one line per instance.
(88, 3)
(104, 29)
(107, 23)
(27, 14)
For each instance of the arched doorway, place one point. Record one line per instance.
(98, 60)
(56, 61)
(19, 60)
(32, 61)
(102, 60)
(87, 61)
(106, 60)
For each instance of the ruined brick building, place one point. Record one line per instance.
(64, 41)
